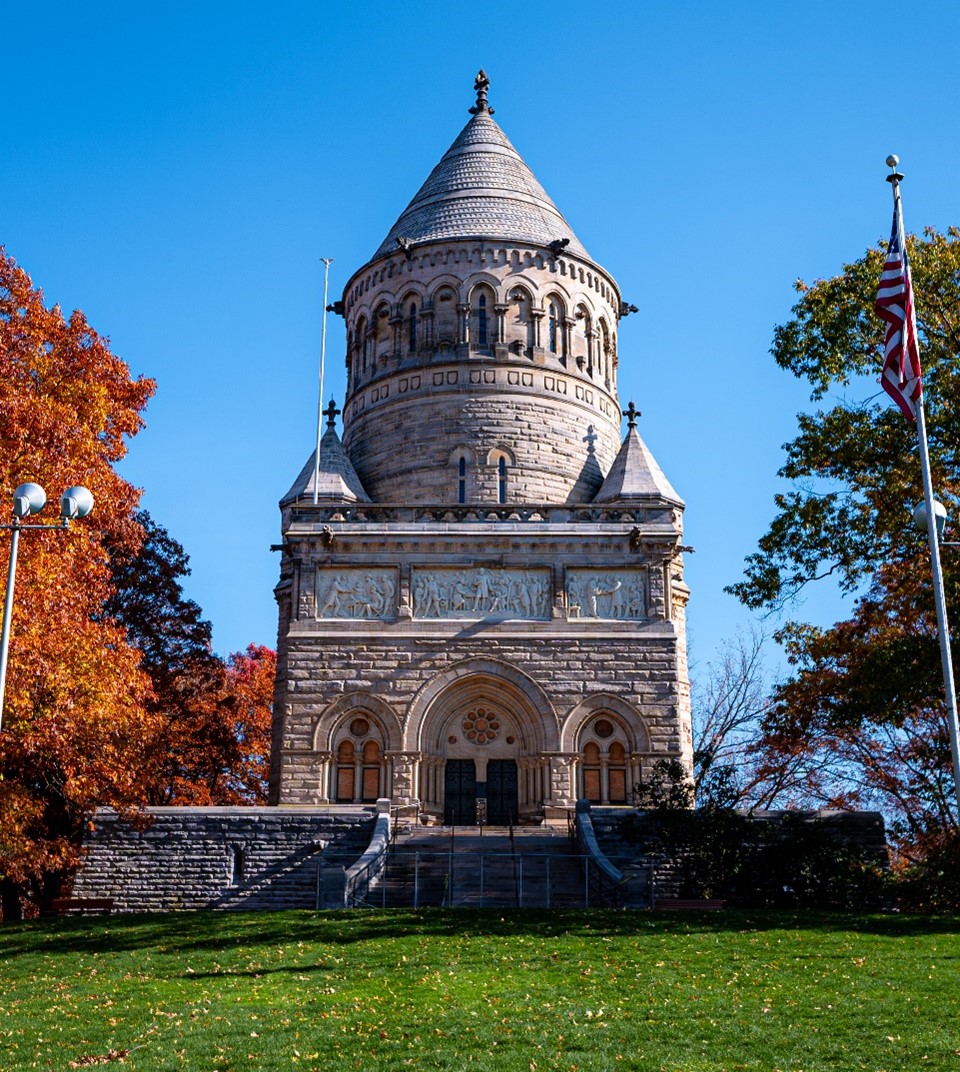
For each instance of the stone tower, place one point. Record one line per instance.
(481, 586)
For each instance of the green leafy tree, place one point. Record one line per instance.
(860, 722)
(854, 467)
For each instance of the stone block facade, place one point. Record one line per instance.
(576, 689)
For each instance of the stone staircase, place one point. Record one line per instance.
(460, 867)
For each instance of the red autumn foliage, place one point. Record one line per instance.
(75, 721)
(114, 697)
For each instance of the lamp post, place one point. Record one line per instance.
(30, 499)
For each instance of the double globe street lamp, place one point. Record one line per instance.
(28, 500)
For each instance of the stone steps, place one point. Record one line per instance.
(534, 870)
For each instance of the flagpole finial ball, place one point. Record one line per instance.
(893, 160)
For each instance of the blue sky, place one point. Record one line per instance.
(178, 171)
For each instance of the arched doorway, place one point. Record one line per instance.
(481, 742)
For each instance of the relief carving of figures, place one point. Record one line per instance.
(355, 593)
(476, 593)
(613, 594)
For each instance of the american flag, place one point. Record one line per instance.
(901, 363)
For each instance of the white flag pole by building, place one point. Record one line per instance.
(327, 261)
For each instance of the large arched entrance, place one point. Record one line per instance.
(481, 741)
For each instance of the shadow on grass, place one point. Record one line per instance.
(175, 932)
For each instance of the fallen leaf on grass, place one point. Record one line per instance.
(99, 1058)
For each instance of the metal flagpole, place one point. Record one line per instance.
(939, 599)
(327, 261)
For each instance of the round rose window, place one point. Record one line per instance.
(603, 728)
(359, 727)
(481, 726)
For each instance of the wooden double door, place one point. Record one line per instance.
(461, 791)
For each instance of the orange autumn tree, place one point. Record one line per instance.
(76, 725)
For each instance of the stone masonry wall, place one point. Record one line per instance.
(219, 858)
(639, 666)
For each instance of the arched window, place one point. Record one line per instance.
(502, 480)
(371, 771)
(482, 320)
(445, 318)
(345, 772)
(604, 354)
(362, 345)
(581, 344)
(384, 332)
(462, 480)
(617, 773)
(413, 326)
(553, 315)
(592, 789)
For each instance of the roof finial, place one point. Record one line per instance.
(632, 413)
(331, 414)
(481, 85)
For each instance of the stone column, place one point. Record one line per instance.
(324, 779)
(536, 315)
(561, 778)
(396, 322)
(657, 606)
(463, 314)
(501, 311)
(405, 770)
(307, 591)
(566, 328)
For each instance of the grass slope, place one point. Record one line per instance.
(517, 991)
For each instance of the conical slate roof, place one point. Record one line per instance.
(338, 480)
(635, 474)
(481, 189)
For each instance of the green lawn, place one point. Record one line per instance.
(517, 991)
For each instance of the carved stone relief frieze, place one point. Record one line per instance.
(611, 593)
(481, 592)
(356, 593)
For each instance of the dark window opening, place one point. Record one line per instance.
(482, 321)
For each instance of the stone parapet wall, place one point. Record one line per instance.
(219, 858)
(861, 832)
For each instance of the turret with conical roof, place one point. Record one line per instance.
(482, 341)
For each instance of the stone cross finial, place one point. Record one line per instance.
(632, 413)
(590, 438)
(331, 414)
(481, 85)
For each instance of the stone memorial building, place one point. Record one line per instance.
(481, 596)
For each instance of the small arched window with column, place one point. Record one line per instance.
(412, 327)
(462, 461)
(383, 332)
(500, 461)
(482, 301)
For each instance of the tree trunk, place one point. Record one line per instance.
(10, 906)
